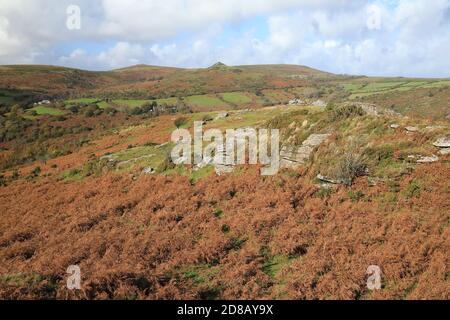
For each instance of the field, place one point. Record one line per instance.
(237, 98)
(359, 90)
(205, 102)
(40, 110)
(95, 186)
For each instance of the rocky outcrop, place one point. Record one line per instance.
(222, 115)
(373, 110)
(293, 157)
(296, 102)
(320, 104)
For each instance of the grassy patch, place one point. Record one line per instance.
(40, 110)
(237, 98)
(274, 265)
(130, 103)
(205, 101)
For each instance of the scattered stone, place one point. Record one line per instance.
(370, 109)
(444, 151)
(394, 126)
(431, 159)
(442, 142)
(109, 158)
(148, 170)
(434, 128)
(296, 102)
(374, 181)
(222, 115)
(319, 103)
(329, 180)
(412, 129)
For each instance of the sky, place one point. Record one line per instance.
(359, 37)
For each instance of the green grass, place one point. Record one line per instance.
(359, 90)
(103, 105)
(236, 97)
(40, 110)
(20, 279)
(130, 103)
(142, 156)
(169, 101)
(126, 103)
(82, 100)
(204, 101)
(274, 265)
(6, 100)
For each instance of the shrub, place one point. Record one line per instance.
(181, 121)
(74, 109)
(218, 213)
(355, 196)
(225, 228)
(324, 193)
(350, 167)
(345, 112)
(380, 153)
(413, 190)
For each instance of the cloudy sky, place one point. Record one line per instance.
(371, 37)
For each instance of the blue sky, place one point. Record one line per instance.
(371, 37)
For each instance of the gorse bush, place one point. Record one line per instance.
(345, 112)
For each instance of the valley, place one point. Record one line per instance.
(86, 179)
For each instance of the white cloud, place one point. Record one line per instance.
(412, 37)
(121, 55)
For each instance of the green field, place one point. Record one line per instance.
(40, 110)
(169, 101)
(205, 101)
(359, 90)
(236, 97)
(130, 103)
(81, 100)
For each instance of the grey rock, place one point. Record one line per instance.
(442, 142)
(222, 115)
(319, 103)
(412, 129)
(431, 159)
(329, 180)
(148, 170)
(293, 157)
(430, 128)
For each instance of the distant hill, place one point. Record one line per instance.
(145, 80)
